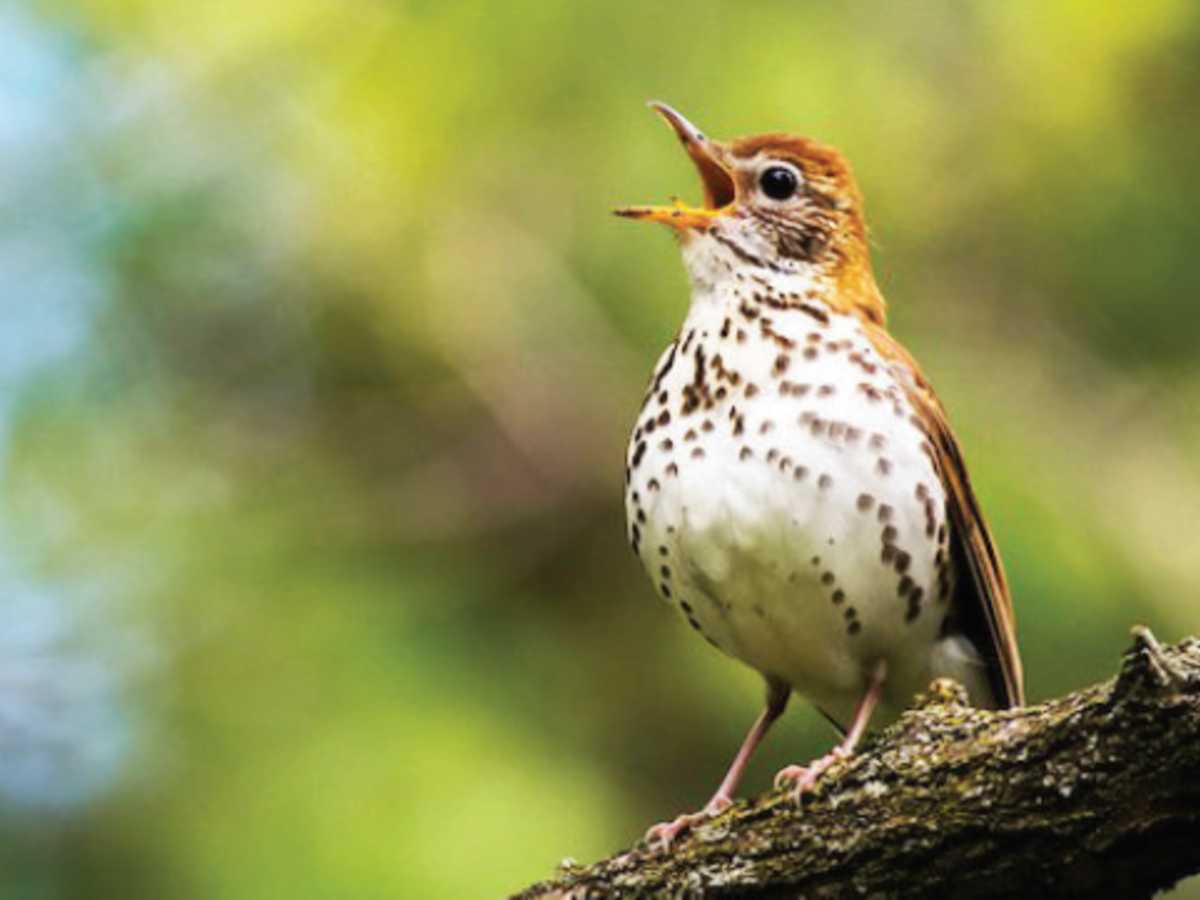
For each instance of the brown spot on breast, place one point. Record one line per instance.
(748, 311)
(943, 581)
(825, 482)
(666, 444)
(838, 596)
(870, 392)
(698, 453)
(884, 514)
(865, 503)
(883, 466)
(827, 578)
(766, 426)
(671, 470)
(745, 454)
(782, 361)
(638, 452)
(811, 309)
(665, 367)
(780, 340)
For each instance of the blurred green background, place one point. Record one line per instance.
(319, 353)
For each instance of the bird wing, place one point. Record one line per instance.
(984, 604)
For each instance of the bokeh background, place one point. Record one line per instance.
(318, 356)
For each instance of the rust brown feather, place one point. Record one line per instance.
(983, 603)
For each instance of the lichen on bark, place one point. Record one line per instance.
(1095, 794)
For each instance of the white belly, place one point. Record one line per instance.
(793, 518)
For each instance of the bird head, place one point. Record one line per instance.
(782, 204)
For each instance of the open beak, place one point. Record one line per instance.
(709, 158)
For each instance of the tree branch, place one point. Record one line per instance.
(1096, 794)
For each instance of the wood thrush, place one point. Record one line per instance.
(792, 484)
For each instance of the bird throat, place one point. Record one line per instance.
(726, 274)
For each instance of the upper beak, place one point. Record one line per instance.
(709, 157)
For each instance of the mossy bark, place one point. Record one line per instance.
(1096, 794)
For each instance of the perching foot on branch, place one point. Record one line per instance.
(1095, 794)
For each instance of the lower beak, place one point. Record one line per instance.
(709, 158)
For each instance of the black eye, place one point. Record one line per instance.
(778, 183)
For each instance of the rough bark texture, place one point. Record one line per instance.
(1096, 794)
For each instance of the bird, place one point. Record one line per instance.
(792, 484)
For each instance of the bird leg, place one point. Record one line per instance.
(802, 778)
(662, 834)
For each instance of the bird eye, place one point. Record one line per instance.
(778, 182)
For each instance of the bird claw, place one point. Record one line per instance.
(660, 836)
(790, 776)
(802, 778)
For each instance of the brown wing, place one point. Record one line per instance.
(984, 605)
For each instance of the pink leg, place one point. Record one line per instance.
(662, 834)
(804, 777)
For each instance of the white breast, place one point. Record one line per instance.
(779, 495)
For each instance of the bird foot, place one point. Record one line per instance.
(660, 836)
(802, 778)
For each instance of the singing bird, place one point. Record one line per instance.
(793, 487)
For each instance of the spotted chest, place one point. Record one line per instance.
(783, 496)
